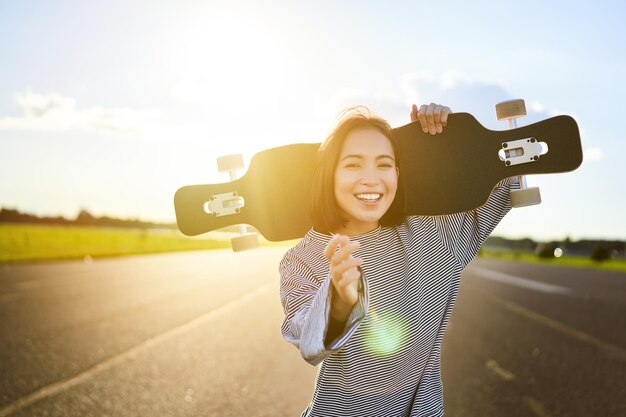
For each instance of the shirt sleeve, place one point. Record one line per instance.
(464, 233)
(306, 304)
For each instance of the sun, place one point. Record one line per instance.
(231, 69)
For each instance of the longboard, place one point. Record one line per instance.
(451, 172)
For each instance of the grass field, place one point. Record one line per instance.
(24, 242)
(572, 261)
(20, 242)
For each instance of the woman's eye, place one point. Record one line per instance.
(352, 165)
(385, 166)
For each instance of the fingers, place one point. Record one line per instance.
(444, 115)
(344, 269)
(421, 115)
(335, 242)
(346, 282)
(346, 248)
(414, 113)
(344, 254)
(432, 117)
(331, 246)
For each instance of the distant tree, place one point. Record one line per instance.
(527, 244)
(546, 250)
(85, 218)
(601, 253)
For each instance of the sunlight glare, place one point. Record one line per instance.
(234, 75)
(385, 333)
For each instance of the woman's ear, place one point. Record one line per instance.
(397, 172)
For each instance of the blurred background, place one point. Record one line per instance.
(107, 108)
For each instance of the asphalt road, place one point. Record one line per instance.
(198, 334)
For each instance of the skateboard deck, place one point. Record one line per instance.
(450, 172)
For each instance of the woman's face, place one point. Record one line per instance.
(366, 180)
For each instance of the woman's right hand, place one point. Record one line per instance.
(345, 275)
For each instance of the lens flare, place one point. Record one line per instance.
(385, 333)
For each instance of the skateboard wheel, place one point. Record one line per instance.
(510, 109)
(228, 163)
(245, 242)
(525, 197)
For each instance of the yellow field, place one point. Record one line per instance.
(19, 242)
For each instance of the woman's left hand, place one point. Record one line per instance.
(433, 117)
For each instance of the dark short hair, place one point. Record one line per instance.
(324, 210)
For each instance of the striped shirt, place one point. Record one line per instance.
(386, 361)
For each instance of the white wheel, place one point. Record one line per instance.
(510, 109)
(228, 163)
(525, 197)
(245, 242)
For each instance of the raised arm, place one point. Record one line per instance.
(464, 233)
(306, 297)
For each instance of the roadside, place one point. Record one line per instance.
(565, 260)
(29, 243)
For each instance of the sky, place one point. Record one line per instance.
(112, 106)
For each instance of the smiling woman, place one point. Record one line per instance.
(366, 180)
(358, 166)
(371, 298)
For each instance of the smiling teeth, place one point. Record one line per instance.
(371, 197)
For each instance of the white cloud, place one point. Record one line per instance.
(460, 92)
(451, 79)
(593, 154)
(385, 104)
(537, 107)
(197, 91)
(54, 112)
(457, 90)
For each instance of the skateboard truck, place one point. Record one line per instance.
(519, 151)
(232, 203)
(224, 204)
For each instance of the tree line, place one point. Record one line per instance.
(596, 249)
(600, 249)
(83, 218)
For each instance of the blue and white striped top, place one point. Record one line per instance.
(386, 362)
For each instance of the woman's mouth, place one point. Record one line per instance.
(369, 197)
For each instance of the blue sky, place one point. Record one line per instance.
(112, 106)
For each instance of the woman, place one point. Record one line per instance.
(368, 292)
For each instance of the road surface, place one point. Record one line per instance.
(198, 334)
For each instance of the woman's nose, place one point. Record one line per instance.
(370, 176)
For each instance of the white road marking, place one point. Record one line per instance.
(499, 371)
(536, 407)
(519, 281)
(63, 385)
